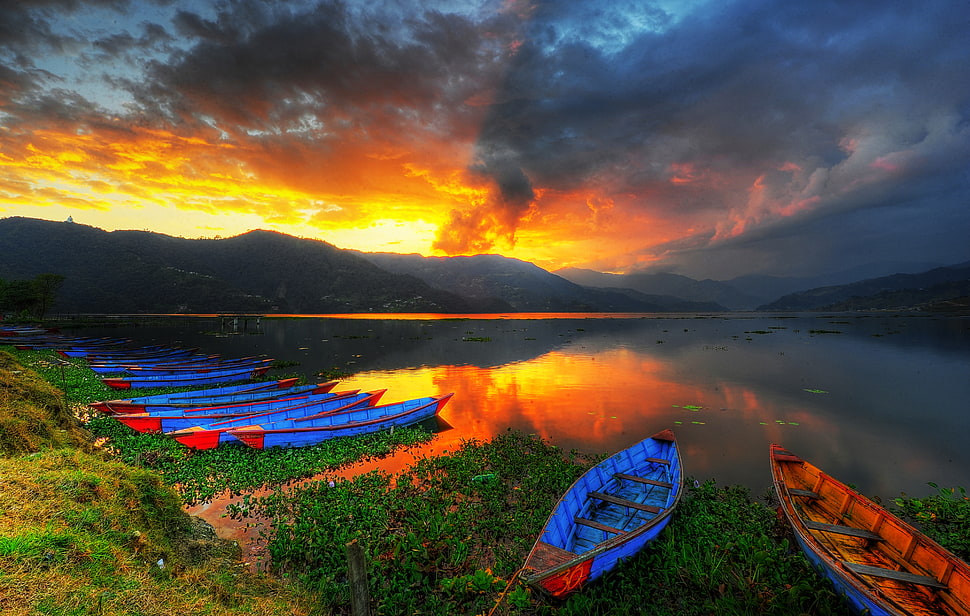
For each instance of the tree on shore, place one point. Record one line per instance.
(31, 298)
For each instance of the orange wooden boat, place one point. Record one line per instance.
(881, 564)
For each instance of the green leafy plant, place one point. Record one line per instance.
(944, 517)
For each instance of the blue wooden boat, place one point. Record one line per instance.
(610, 513)
(81, 347)
(110, 366)
(212, 395)
(183, 380)
(67, 346)
(313, 430)
(180, 367)
(133, 406)
(879, 563)
(169, 421)
(143, 354)
(214, 434)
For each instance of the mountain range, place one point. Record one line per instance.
(122, 272)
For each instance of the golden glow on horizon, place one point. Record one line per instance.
(189, 187)
(400, 195)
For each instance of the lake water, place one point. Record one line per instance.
(880, 401)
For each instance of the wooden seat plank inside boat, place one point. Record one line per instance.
(609, 498)
(843, 530)
(597, 525)
(892, 574)
(644, 480)
(658, 461)
(805, 493)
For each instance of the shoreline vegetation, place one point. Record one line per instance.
(92, 521)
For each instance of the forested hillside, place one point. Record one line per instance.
(260, 271)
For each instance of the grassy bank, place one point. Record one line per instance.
(105, 533)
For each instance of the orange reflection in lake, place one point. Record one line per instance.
(589, 402)
(597, 402)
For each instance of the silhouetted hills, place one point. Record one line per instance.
(260, 271)
(899, 291)
(710, 291)
(526, 287)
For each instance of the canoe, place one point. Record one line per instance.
(881, 564)
(211, 395)
(154, 351)
(199, 366)
(170, 421)
(214, 434)
(67, 346)
(610, 513)
(176, 368)
(181, 380)
(313, 430)
(128, 407)
(83, 348)
(107, 366)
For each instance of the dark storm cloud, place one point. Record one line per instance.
(744, 90)
(256, 68)
(713, 134)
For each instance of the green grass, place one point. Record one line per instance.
(200, 475)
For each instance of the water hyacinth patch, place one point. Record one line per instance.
(442, 538)
(200, 475)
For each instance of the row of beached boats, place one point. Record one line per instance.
(268, 414)
(231, 406)
(881, 564)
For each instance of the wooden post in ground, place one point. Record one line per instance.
(357, 575)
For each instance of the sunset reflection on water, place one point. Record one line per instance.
(843, 391)
(600, 402)
(848, 400)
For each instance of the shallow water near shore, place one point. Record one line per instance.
(881, 401)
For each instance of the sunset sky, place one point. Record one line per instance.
(706, 138)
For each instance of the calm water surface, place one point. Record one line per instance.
(879, 401)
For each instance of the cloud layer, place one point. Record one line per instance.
(717, 140)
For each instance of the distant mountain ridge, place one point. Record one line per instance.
(264, 271)
(741, 293)
(259, 271)
(525, 287)
(665, 284)
(884, 293)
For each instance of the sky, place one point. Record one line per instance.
(711, 138)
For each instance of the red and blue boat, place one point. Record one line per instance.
(213, 434)
(212, 395)
(245, 393)
(170, 421)
(200, 365)
(609, 514)
(313, 430)
(188, 378)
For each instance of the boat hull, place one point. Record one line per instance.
(169, 421)
(302, 433)
(881, 564)
(608, 515)
(213, 395)
(221, 376)
(211, 435)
